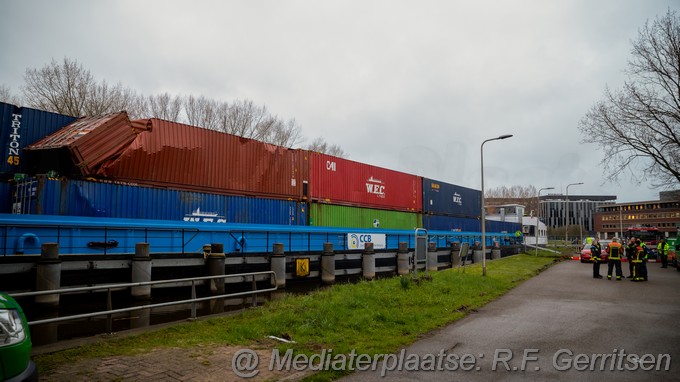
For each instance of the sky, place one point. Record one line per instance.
(413, 86)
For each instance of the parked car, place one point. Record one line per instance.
(15, 343)
(585, 255)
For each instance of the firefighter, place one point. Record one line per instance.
(645, 254)
(631, 248)
(595, 253)
(638, 261)
(615, 250)
(662, 250)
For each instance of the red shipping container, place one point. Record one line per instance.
(341, 181)
(185, 157)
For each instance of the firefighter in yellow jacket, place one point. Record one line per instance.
(615, 251)
(662, 250)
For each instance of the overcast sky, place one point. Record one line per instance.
(414, 86)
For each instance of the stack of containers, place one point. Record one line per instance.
(158, 169)
(344, 193)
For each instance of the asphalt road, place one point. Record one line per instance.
(562, 320)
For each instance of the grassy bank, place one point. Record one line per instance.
(372, 317)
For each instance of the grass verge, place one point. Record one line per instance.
(373, 317)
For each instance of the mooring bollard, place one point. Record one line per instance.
(278, 265)
(402, 259)
(432, 259)
(328, 264)
(368, 261)
(216, 267)
(477, 254)
(455, 251)
(141, 271)
(48, 275)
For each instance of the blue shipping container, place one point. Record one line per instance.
(84, 198)
(450, 223)
(458, 224)
(20, 127)
(448, 199)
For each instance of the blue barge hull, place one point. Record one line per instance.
(24, 234)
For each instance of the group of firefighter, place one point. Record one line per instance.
(635, 251)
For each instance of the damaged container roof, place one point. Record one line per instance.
(88, 142)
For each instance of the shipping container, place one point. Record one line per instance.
(460, 224)
(80, 148)
(442, 198)
(184, 157)
(329, 215)
(21, 127)
(450, 223)
(336, 180)
(504, 227)
(65, 197)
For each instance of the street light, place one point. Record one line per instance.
(538, 214)
(483, 211)
(566, 213)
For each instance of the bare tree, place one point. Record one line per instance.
(201, 111)
(524, 195)
(245, 119)
(321, 146)
(68, 88)
(7, 96)
(640, 123)
(165, 106)
(58, 87)
(284, 133)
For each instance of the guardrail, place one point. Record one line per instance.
(109, 312)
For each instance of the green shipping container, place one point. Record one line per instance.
(330, 215)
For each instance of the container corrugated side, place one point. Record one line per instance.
(21, 127)
(461, 224)
(329, 215)
(98, 199)
(451, 223)
(449, 199)
(184, 157)
(340, 181)
(508, 227)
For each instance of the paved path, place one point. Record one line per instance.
(562, 308)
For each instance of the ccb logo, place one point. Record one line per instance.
(357, 241)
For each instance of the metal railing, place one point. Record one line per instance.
(109, 312)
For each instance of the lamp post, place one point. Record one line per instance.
(538, 214)
(483, 216)
(566, 213)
